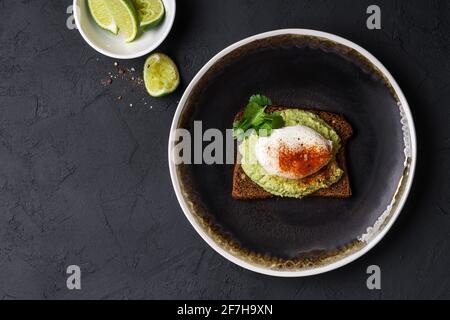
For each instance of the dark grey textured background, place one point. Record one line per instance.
(84, 178)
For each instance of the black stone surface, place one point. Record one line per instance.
(84, 177)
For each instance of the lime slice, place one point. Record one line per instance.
(161, 75)
(150, 12)
(102, 16)
(125, 17)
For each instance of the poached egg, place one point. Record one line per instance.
(293, 152)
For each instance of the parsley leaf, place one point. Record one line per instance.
(260, 99)
(254, 113)
(255, 117)
(276, 120)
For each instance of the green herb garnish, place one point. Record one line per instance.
(260, 99)
(256, 118)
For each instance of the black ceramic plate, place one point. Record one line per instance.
(311, 70)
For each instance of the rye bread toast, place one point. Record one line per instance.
(245, 189)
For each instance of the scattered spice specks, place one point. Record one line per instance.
(106, 82)
(128, 74)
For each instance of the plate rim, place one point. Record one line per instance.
(401, 201)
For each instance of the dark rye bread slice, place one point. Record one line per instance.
(245, 189)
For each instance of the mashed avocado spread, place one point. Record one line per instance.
(284, 187)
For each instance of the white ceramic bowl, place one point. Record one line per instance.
(386, 219)
(115, 46)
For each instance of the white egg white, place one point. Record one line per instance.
(267, 149)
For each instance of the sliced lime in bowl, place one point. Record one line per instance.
(102, 15)
(115, 16)
(150, 12)
(125, 16)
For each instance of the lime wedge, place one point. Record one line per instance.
(102, 16)
(150, 12)
(125, 17)
(161, 75)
